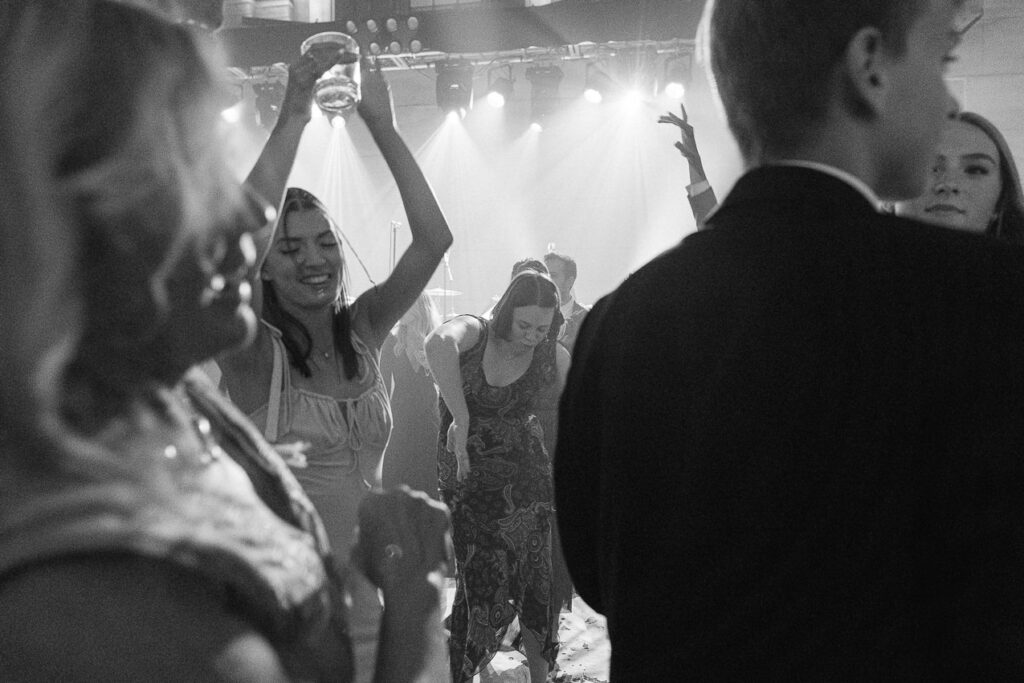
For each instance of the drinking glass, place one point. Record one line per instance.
(337, 91)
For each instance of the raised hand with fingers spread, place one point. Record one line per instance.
(699, 192)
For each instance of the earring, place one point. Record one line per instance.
(214, 286)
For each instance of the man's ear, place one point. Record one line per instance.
(865, 68)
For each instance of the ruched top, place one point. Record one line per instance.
(337, 433)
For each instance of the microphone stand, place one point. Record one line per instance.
(446, 278)
(394, 243)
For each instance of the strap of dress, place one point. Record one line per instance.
(363, 350)
(276, 389)
(357, 412)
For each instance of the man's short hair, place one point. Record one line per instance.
(773, 61)
(528, 263)
(568, 261)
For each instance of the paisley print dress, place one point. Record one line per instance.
(501, 513)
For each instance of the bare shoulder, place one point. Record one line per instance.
(122, 617)
(465, 329)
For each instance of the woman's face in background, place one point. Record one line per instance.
(530, 325)
(964, 184)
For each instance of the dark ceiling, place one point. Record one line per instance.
(489, 28)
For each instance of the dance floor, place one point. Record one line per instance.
(583, 656)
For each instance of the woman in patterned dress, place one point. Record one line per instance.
(495, 473)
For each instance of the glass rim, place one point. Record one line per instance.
(346, 41)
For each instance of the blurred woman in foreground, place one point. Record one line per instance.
(147, 531)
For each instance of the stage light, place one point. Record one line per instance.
(391, 25)
(337, 121)
(675, 90)
(371, 26)
(597, 84)
(375, 48)
(454, 86)
(677, 75)
(495, 99)
(536, 127)
(544, 82)
(269, 96)
(351, 27)
(415, 46)
(394, 47)
(233, 102)
(634, 97)
(232, 114)
(499, 88)
(413, 23)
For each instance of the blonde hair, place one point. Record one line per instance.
(111, 160)
(421, 319)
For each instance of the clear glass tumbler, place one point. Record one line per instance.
(337, 91)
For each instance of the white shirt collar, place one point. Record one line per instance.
(838, 173)
(566, 308)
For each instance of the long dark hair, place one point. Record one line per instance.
(1008, 223)
(298, 342)
(528, 288)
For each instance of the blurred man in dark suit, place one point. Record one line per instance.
(562, 269)
(792, 447)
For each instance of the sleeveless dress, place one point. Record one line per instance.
(268, 566)
(501, 513)
(345, 440)
(409, 458)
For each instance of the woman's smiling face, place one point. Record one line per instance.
(305, 261)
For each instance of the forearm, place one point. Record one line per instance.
(412, 644)
(269, 176)
(426, 220)
(696, 168)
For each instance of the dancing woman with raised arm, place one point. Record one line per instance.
(312, 381)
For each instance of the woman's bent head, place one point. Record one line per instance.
(525, 304)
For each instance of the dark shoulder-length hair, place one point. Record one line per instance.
(298, 342)
(528, 288)
(1008, 223)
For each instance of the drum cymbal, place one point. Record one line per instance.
(440, 291)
